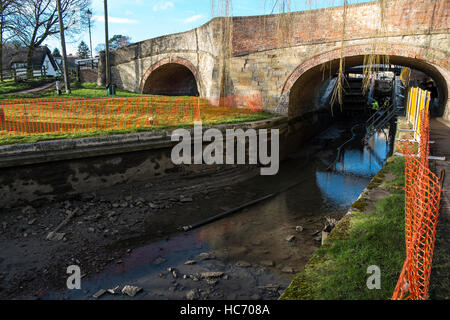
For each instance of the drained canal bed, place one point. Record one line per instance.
(254, 253)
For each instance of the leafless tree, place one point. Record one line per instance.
(7, 9)
(36, 20)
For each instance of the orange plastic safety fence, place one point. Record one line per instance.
(21, 117)
(422, 200)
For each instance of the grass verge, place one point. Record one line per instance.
(9, 86)
(338, 270)
(9, 140)
(78, 90)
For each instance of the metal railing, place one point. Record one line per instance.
(396, 107)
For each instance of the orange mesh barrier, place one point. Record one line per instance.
(19, 117)
(422, 200)
(250, 102)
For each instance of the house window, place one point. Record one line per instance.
(19, 65)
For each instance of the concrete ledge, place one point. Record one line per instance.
(66, 149)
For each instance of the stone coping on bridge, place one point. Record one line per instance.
(66, 149)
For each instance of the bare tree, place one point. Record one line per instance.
(38, 19)
(7, 9)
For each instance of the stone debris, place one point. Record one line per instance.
(114, 290)
(194, 277)
(243, 264)
(153, 206)
(330, 223)
(31, 222)
(99, 293)
(299, 228)
(211, 275)
(52, 234)
(28, 210)
(184, 199)
(290, 238)
(159, 260)
(190, 262)
(288, 270)
(55, 236)
(131, 290)
(175, 274)
(270, 287)
(256, 242)
(206, 256)
(192, 294)
(267, 263)
(212, 282)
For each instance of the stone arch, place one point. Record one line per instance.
(175, 72)
(432, 62)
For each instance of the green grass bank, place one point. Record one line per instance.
(372, 233)
(78, 90)
(91, 90)
(10, 140)
(10, 86)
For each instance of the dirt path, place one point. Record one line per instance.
(36, 90)
(440, 277)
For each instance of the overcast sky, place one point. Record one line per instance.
(145, 19)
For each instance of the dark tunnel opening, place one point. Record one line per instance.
(171, 79)
(313, 89)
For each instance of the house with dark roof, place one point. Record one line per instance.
(16, 59)
(71, 62)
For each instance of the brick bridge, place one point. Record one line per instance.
(287, 74)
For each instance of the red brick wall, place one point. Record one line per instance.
(253, 34)
(88, 75)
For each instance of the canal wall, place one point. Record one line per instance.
(54, 170)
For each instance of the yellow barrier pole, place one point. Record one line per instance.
(408, 104)
(413, 107)
(419, 113)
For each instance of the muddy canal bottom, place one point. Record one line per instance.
(254, 253)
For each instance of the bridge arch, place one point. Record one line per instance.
(301, 88)
(173, 76)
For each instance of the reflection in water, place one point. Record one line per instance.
(345, 184)
(366, 162)
(340, 189)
